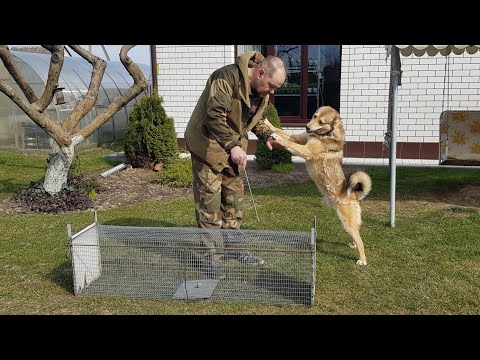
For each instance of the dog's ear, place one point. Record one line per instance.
(338, 133)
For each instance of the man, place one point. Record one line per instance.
(232, 104)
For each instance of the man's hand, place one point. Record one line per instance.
(272, 143)
(239, 157)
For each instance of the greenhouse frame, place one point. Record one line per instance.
(19, 132)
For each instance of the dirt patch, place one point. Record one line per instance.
(468, 195)
(131, 186)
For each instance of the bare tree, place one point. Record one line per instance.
(65, 134)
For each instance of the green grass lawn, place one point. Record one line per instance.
(428, 264)
(18, 170)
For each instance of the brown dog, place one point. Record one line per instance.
(322, 148)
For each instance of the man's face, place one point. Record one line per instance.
(265, 85)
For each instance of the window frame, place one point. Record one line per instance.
(301, 119)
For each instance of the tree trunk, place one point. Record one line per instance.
(61, 158)
(59, 163)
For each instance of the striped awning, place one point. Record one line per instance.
(432, 50)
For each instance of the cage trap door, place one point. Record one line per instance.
(196, 289)
(86, 257)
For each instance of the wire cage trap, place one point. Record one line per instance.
(175, 263)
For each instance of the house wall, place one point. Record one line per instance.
(426, 91)
(182, 72)
(365, 74)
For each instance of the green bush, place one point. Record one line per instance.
(177, 173)
(266, 158)
(150, 135)
(282, 168)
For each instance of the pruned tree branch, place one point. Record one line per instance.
(13, 69)
(140, 84)
(131, 67)
(56, 64)
(51, 127)
(62, 134)
(88, 101)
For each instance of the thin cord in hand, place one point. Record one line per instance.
(253, 200)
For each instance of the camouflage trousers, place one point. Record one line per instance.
(218, 200)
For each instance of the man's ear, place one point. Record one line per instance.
(261, 73)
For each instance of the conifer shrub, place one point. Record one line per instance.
(176, 174)
(266, 158)
(150, 135)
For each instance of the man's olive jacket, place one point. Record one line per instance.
(219, 120)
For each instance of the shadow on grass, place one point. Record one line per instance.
(127, 221)
(352, 256)
(305, 189)
(62, 275)
(285, 286)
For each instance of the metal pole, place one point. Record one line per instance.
(395, 81)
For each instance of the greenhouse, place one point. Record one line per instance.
(19, 132)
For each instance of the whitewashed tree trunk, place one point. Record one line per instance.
(59, 163)
(57, 170)
(64, 133)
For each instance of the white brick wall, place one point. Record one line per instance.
(426, 90)
(182, 73)
(365, 75)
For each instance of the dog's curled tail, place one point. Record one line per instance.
(360, 184)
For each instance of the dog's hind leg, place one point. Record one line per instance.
(350, 215)
(359, 244)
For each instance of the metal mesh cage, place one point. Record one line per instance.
(177, 263)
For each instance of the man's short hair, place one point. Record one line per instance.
(272, 64)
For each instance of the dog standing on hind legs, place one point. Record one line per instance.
(321, 145)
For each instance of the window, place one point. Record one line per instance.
(313, 80)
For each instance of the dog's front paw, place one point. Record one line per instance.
(276, 136)
(352, 245)
(361, 262)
